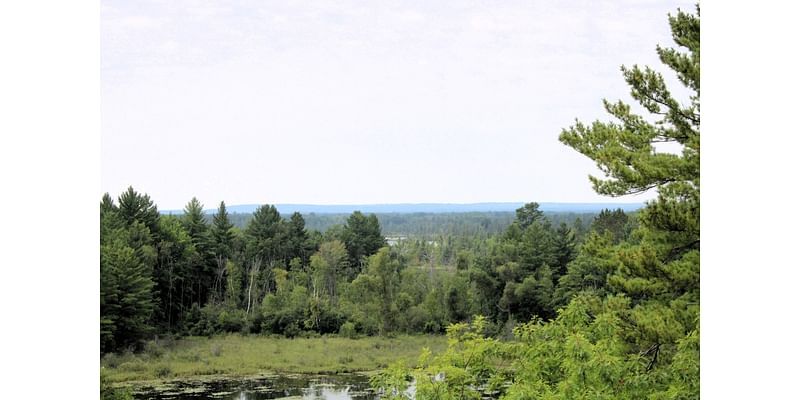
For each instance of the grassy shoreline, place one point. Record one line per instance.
(240, 356)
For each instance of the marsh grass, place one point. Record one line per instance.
(238, 355)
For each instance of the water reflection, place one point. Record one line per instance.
(316, 387)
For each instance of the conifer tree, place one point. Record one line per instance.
(221, 237)
(616, 222)
(363, 238)
(138, 207)
(298, 237)
(222, 233)
(193, 220)
(660, 274)
(125, 296)
(266, 235)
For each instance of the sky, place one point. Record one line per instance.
(363, 102)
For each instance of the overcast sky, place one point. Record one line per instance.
(362, 101)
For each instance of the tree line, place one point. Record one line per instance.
(195, 275)
(473, 223)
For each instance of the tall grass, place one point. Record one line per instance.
(238, 355)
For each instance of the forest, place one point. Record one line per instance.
(603, 308)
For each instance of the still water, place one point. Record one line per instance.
(323, 387)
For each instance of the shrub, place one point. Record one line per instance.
(232, 321)
(216, 350)
(163, 371)
(292, 330)
(111, 360)
(348, 330)
(135, 365)
(153, 349)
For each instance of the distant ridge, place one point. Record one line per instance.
(406, 208)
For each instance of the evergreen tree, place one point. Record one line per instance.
(363, 238)
(194, 221)
(222, 232)
(615, 222)
(660, 274)
(205, 262)
(125, 296)
(528, 214)
(138, 207)
(564, 247)
(107, 204)
(589, 271)
(299, 244)
(222, 247)
(266, 235)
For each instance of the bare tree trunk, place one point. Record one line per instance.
(256, 265)
(169, 308)
(220, 276)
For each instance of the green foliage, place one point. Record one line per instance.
(135, 207)
(222, 233)
(234, 285)
(266, 235)
(590, 270)
(126, 284)
(463, 371)
(362, 236)
(528, 214)
(616, 222)
(348, 330)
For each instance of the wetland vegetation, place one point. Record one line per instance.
(235, 355)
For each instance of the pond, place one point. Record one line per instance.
(323, 387)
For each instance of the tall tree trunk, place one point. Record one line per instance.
(255, 266)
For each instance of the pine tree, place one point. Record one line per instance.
(528, 214)
(298, 237)
(615, 222)
(194, 221)
(222, 233)
(125, 297)
(363, 238)
(138, 207)
(267, 236)
(205, 263)
(661, 273)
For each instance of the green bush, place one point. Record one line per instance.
(111, 360)
(292, 330)
(163, 371)
(348, 330)
(135, 365)
(154, 349)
